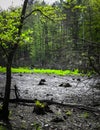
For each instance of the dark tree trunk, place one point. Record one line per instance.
(5, 110)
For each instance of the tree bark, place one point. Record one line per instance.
(5, 110)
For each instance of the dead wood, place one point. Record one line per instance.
(50, 102)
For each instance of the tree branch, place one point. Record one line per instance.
(38, 10)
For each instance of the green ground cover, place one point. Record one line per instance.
(41, 71)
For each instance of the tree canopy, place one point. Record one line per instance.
(69, 27)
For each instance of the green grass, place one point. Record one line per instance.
(57, 72)
(2, 69)
(41, 71)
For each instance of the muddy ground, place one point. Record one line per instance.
(62, 89)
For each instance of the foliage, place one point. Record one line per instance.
(37, 126)
(43, 71)
(58, 72)
(69, 113)
(61, 32)
(9, 37)
(8, 26)
(39, 104)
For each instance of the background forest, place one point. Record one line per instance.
(65, 35)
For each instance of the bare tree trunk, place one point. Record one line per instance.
(5, 110)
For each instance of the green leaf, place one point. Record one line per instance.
(68, 113)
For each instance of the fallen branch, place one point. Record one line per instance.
(50, 102)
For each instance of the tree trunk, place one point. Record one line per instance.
(5, 108)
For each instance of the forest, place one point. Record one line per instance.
(64, 38)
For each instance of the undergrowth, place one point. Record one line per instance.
(41, 71)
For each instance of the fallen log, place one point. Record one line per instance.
(51, 102)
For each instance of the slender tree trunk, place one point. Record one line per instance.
(5, 108)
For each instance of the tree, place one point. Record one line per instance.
(90, 33)
(10, 37)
